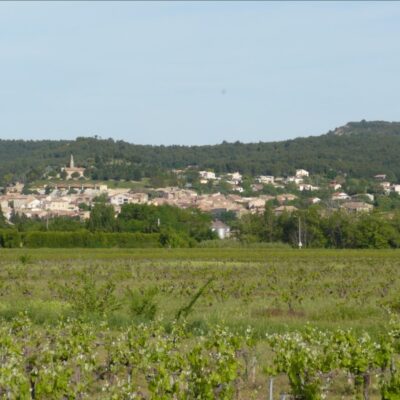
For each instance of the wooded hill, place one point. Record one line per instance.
(360, 149)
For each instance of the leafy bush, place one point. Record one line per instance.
(142, 303)
(88, 296)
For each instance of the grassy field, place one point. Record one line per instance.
(270, 290)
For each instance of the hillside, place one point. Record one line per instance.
(361, 149)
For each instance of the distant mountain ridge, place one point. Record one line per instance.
(362, 127)
(361, 149)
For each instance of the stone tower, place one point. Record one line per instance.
(71, 163)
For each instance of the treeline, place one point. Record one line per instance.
(335, 153)
(166, 226)
(135, 226)
(315, 227)
(35, 239)
(177, 227)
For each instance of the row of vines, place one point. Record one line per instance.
(74, 359)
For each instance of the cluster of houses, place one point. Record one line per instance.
(235, 180)
(75, 199)
(386, 186)
(62, 200)
(301, 180)
(74, 196)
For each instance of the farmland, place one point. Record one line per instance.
(247, 304)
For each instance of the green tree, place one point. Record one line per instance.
(75, 175)
(63, 174)
(339, 229)
(102, 218)
(3, 223)
(374, 231)
(312, 229)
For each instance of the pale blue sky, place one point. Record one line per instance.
(195, 72)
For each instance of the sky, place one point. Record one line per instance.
(193, 73)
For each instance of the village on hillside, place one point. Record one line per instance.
(73, 196)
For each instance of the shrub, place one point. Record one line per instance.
(87, 296)
(142, 304)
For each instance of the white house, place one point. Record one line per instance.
(335, 186)
(59, 205)
(307, 187)
(207, 175)
(222, 230)
(34, 204)
(235, 178)
(386, 186)
(295, 179)
(396, 188)
(266, 179)
(314, 200)
(301, 173)
(340, 196)
(5, 208)
(119, 199)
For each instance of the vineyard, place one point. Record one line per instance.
(199, 324)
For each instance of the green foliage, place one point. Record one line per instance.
(177, 226)
(355, 355)
(63, 224)
(102, 198)
(389, 202)
(173, 239)
(10, 239)
(78, 239)
(75, 359)
(23, 224)
(109, 159)
(142, 303)
(319, 229)
(3, 223)
(87, 296)
(102, 218)
(186, 310)
(311, 358)
(390, 389)
(376, 232)
(25, 259)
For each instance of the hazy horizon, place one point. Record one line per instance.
(195, 73)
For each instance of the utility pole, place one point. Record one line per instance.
(300, 244)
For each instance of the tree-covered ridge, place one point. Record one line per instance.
(360, 149)
(379, 127)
